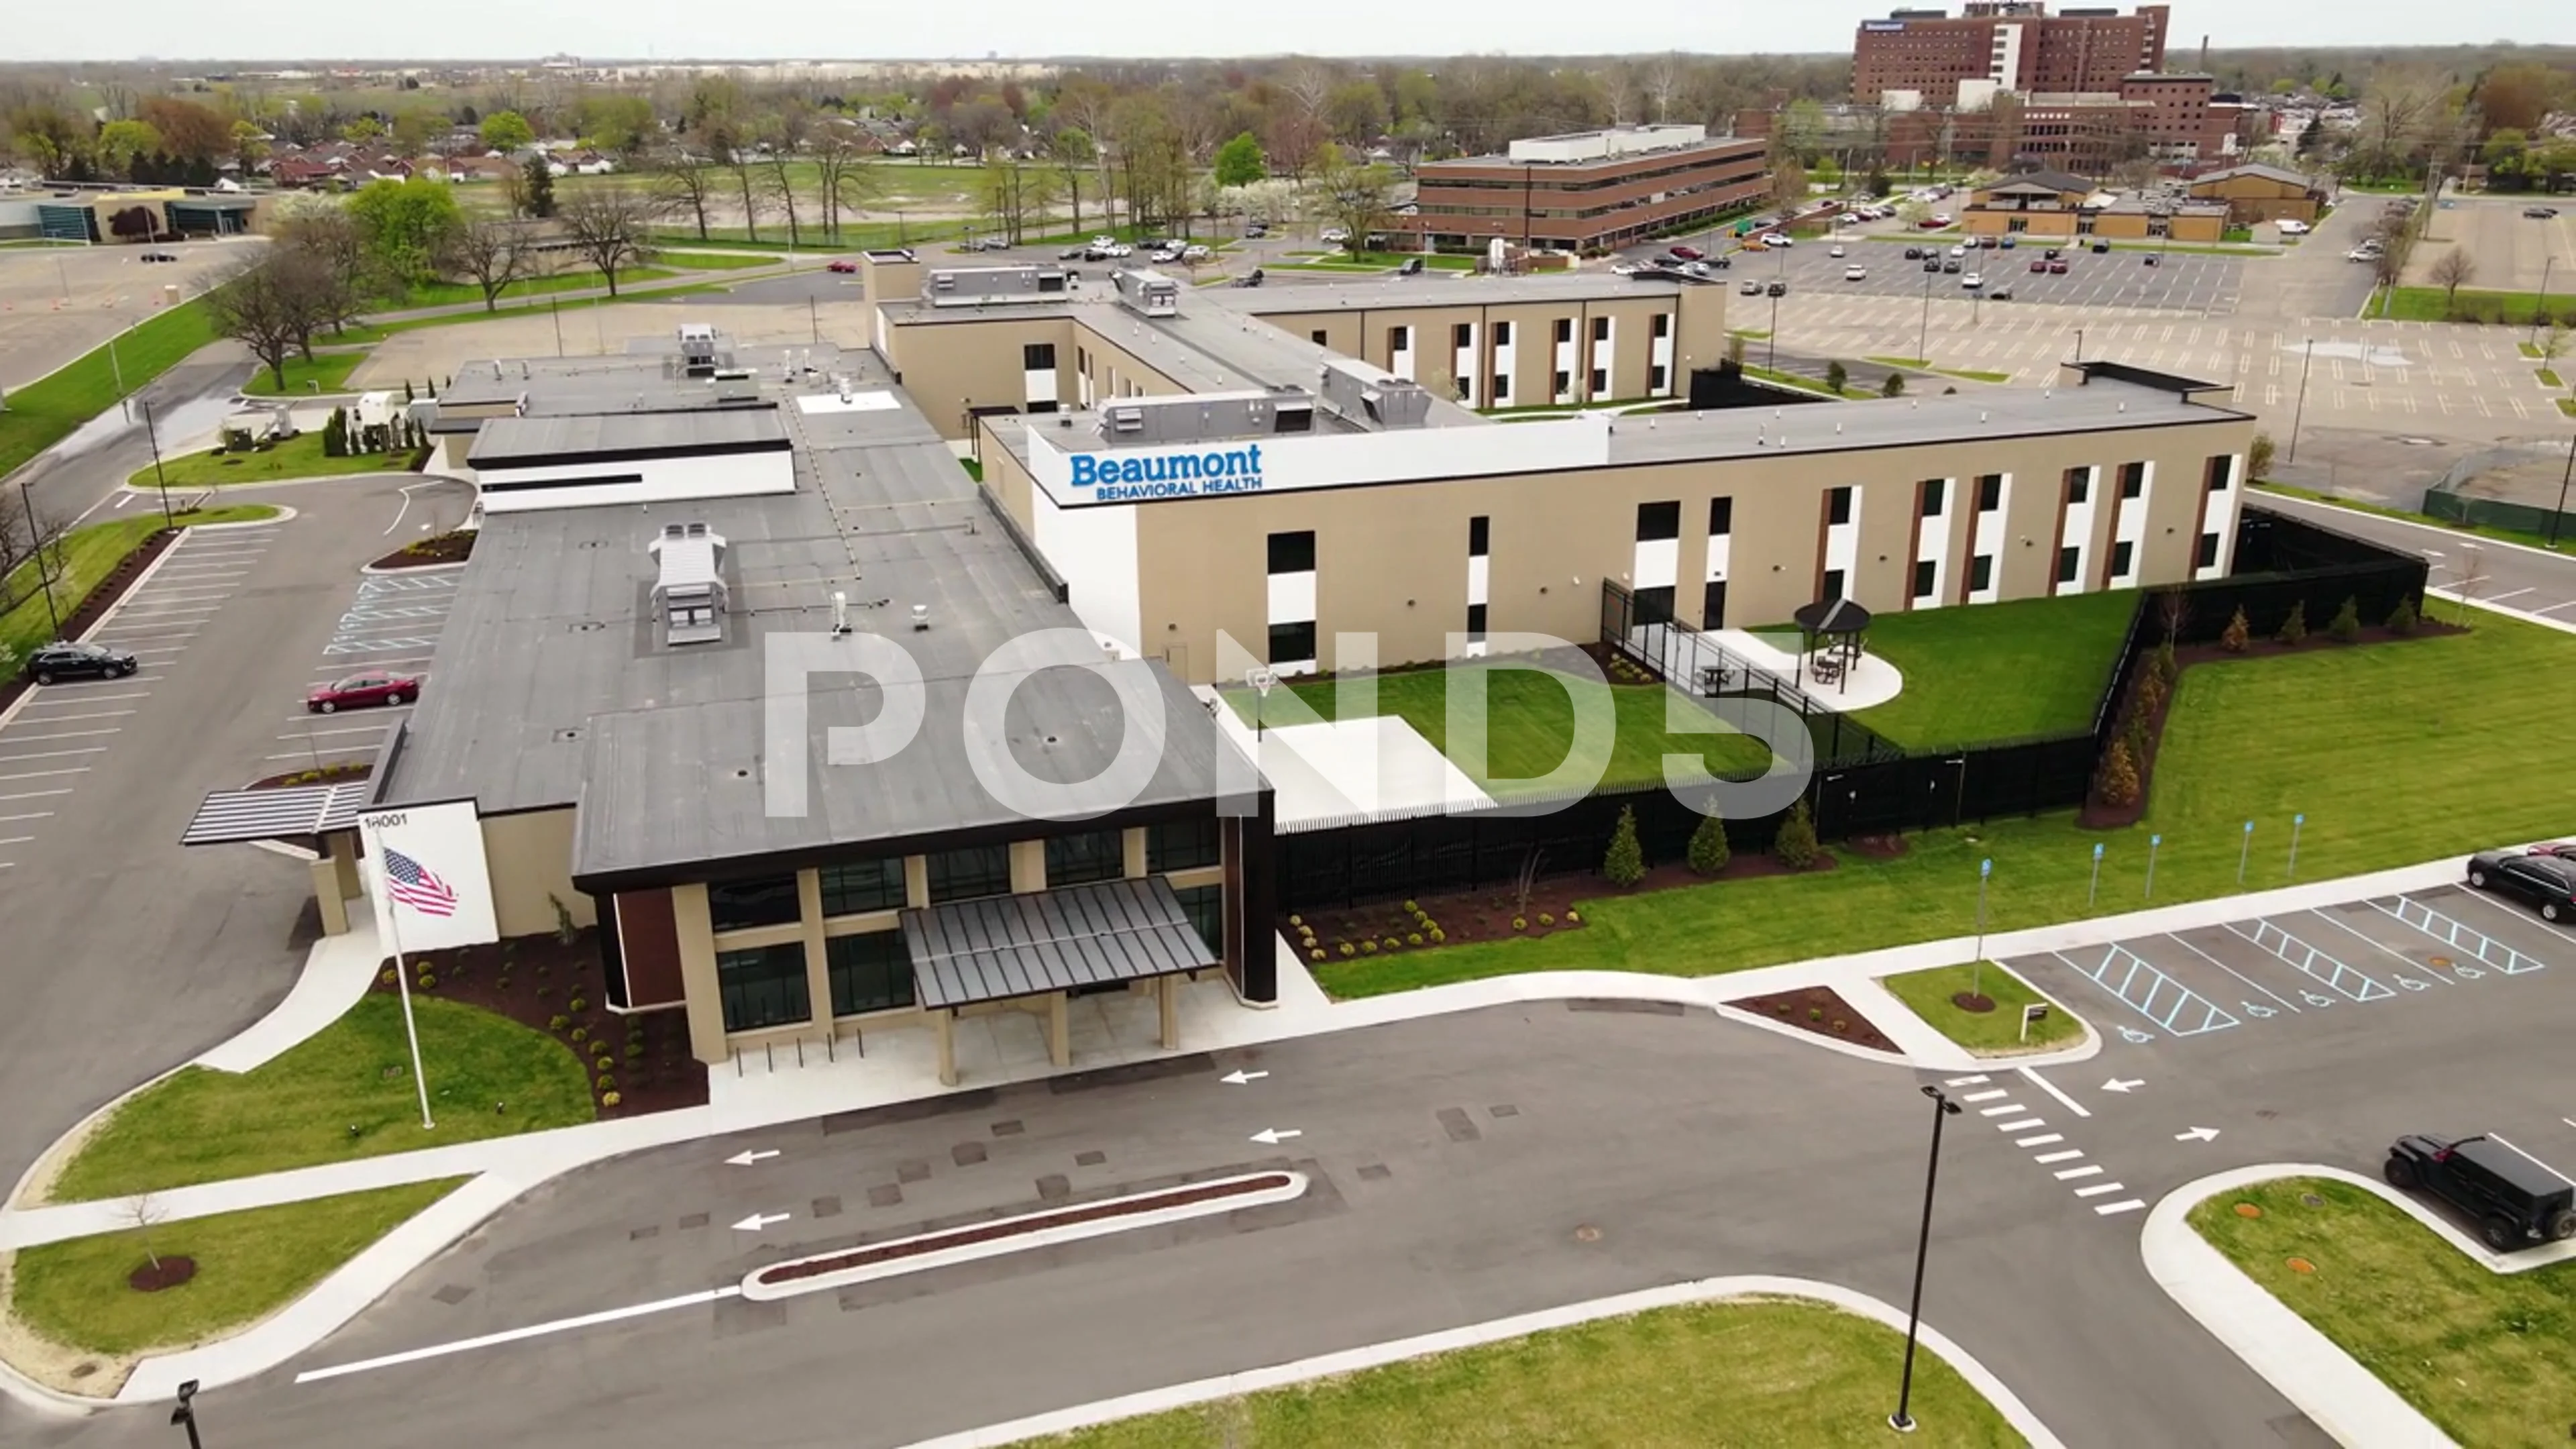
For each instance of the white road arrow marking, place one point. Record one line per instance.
(757, 1221)
(1238, 1078)
(2116, 1085)
(1272, 1136)
(747, 1157)
(2197, 1134)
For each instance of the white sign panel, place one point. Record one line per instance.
(1147, 474)
(426, 872)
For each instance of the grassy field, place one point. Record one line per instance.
(206, 1126)
(1531, 721)
(450, 294)
(1796, 380)
(298, 457)
(45, 412)
(89, 555)
(2501, 535)
(714, 261)
(853, 236)
(1998, 671)
(2258, 739)
(1987, 1033)
(2487, 1356)
(1431, 261)
(327, 372)
(2432, 304)
(249, 1265)
(369, 332)
(1748, 1372)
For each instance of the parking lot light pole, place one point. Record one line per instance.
(185, 1415)
(36, 541)
(2307, 359)
(2244, 852)
(1923, 337)
(2565, 477)
(159, 477)
(1902, 1421)
(2540, 314)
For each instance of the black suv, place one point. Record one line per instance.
(77, 661)
(2547, 881)
(2516, 1201)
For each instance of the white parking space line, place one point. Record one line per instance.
(2045, 1085)
(1965, 1082)
(47, 774)
(2023, 1125)
(2519, 914)
(1985, 1096)
(35, 794)
(15, 839)
(2232, 971)
(2069, 1155)
(2129, 1206)
(30, 815)
(374, 729)
(515, 1335)
(53, 754)
(329, 750)
(65, 735)
(2071, 1173)
(2004, 1110)
(88, 698)
(2042, 1140)
(2492, 1137)
(93, 714)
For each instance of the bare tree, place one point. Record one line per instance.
(685, 183)
(1662, 81)
(266, 304)
(785, 133)
(846, 181)
(2471, 577)
(493, 253)
(343, 274)
(2453, 270)
(143, 1212)
(2396, 109)
(612, 230)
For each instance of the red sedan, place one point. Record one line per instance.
(2057, 269)
(1688, 254)
(360, 691)
(842, 264)
(2038, 264)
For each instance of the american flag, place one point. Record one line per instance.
(416, 886)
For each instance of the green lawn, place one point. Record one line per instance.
(2547, 378)
(1743, 1372)
(1913, 362)
(1974, 374)
(2487, 1356)
(854, 236)
(2259, 738)
(1431, 261)
(1791, 379)
(1531, 721)
(89, 555)
(327, 372)
(1998, 671)
(45, 412)
(249, 1265)
(2432, 304)
(2528, 350)
(714, 261)
(368, 332)
(2504, 535)
(449, 294)
(206, 1126)
(1986, 1033)
(297, 457)
(1349, 267)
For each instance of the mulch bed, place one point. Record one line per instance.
(327, 775)
(534, 980)
(2098, 815)
(1021, 1227)
(1820, 1010)
(172, 1272)
(430, 553)
(100, 600)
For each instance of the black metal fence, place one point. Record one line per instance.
(2546, 523)
(1725, 683)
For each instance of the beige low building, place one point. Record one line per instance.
(2056, 206)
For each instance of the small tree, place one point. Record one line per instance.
(2294, 629)
(335, 434)
(2347, 620)
(2235, 636)
(2162, 666)
(2401, 620)
(1625, 865)
(1835, 376)
(2173, 610)
(2116, 783)
(1894, 386)
(1795, 845)
(2455, 269)
(1708, 853)
(2258, 456)
(145, 1211)
(536, 188)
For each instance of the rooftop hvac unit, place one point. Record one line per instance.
(736, 384)
(1148, 292)
(697, 348)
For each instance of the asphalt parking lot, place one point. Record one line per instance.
(2512, 252)
(59, 302)
(2180, 281)
(390, 625)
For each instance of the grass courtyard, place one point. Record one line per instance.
(2253, 739)
(1741, 1372)
(1530, 717)
(1987, 1033)
(2486, 1356)
(89, 555)
(1998, 671)
(249, 1264)
(300, 456)
(201, 1125)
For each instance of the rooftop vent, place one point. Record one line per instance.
(697, 348)
(689, 592)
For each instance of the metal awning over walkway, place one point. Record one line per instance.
(1006, 947)
(229, 817)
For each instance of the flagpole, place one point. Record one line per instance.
(392, 916)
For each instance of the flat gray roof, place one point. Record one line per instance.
(1024, 945)
(554, 688)
(1438, 289)
(526, 441)
(2104, 405)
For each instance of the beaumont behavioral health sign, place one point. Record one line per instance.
(1093, 477)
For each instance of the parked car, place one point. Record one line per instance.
(1778, 239)
(2290, 226)
(1973, 280)
(1336, 234)
(2057, 268)
(2053, 253)
(2039, 264)
(841, 264)
(159, 257)
(1835, 251)
(1255, 230)
(1751, 288)
(1999, 294)
(1249, 279)
(1941, 218)
(1104, 240)
(1166, 256)
(1196, 252)
(1686, 253)
(2547, 883)
(1914, 254)
(1625, 268)
(2101, 247)
(1987, 243)
(1721, 261)
(1933, 223)
(2362, 254)
(2516, 1200)
(2150, 259)
(1959, 250)
(360, 691)
(1412, 267)
(65, 660)
(1778, 289)
(1855, 274)
(1951, 265)
(1931, 264)
(2010, 242)
(2540, 213)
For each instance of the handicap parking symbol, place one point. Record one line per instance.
(2467, 973)
(2257, 1010)
(2314, 998)
(2133, 1035)
(2411, 984)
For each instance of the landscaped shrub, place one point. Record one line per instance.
(1299, 921)
(1815, 1013)
(1795, 845)
(1835, 376)
(2294, 629)
(2116, 783)
(428, 982)
(387, 977)
(1410, 908)
(1393, 944)
(603, 1064)
(1413, 938)
(607, 1083)
(1571, 915)
(2258, 457)
(610, 1099)
(2347, 620)
(2162, 664)
(1625, 864)
(558, 1022)
(1368, 948)
(1546, 919)
(578, 1003)
(1707, 854)
(2151, 695)
(635, 1051)
(1437, 935)
(1347, 949)
(1520, 923)
(1315, 955)
(1894, 386)
(2401, 620)
(581, 1033)
(2236, 635)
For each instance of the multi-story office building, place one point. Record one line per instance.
(1586, 192)
(2013, 45)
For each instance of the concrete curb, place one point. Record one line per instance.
(2345, 1399)
(1705, 1290)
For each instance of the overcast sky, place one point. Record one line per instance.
(892, 29)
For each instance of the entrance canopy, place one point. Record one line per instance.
(229, 817)
(1027, 945)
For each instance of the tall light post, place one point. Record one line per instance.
(159, 477)
(1902, 1420)
(2565, 477)
(36, 540)
(1923, 335)
(185, 1415)
(2540, 314)
(2307, 358)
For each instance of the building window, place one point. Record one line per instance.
(970, 873)
(854, 886)
(1655, 377)
(1565, 329)
(1981, 572)
(2222, 471)
(1475, 623)
(1600, 329)
(1090, 856)
(1502, 387)
(1990, 492)
(1563, 382)
(2208, 551)
(1712, 605)
(1480, 536)
(1293, 553)
(1292, 643)
(1399, 339)
(869, 973)
(739, 905)
(1205, 906)
(2079, 485)
(1838, 504)
(1721, 517)
(1600, 381)
(2067, 561)
(2121, 554)
(764, 986)
(1833, 588)
(1658, 521)
(1037, 356)
(1463, 335)
(1933, 488)
(2133, 479)
(1924, 580)
(1502, 334)
(1181, 844)
(1317, 337)
(1663, 324)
